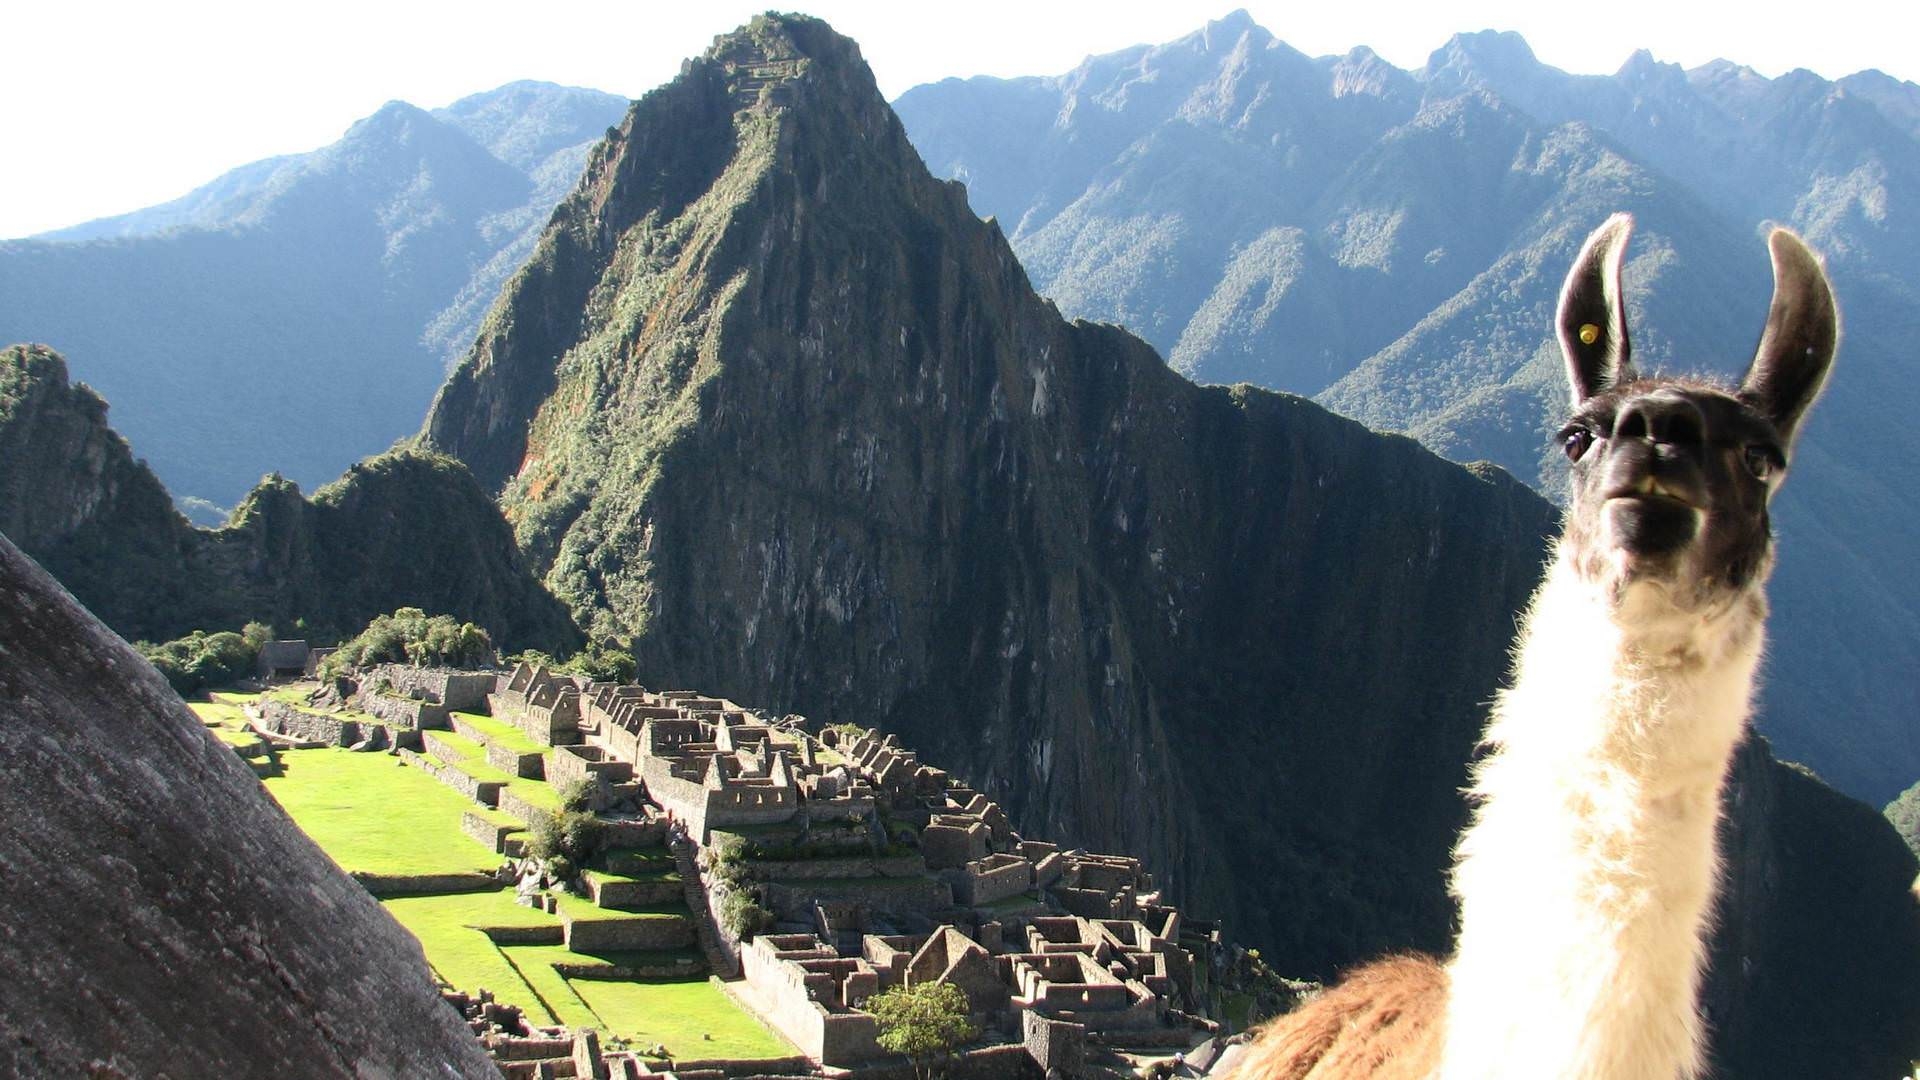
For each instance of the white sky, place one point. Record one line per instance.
(107, 106)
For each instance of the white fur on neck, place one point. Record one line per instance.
(1586, 879)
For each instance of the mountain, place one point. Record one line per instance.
(297, 313)
(165, 918)
(1392, 242)
(772, 405)
(405, 528)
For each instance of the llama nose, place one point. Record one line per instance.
(1669, 420)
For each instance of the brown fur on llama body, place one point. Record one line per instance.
(1587, 874)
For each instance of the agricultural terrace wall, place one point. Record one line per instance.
(485, 792)
(896, 866)
(402, 712)
(624, 934)
(285, 719)
(794, 902)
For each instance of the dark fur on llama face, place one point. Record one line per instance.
(1671, 477)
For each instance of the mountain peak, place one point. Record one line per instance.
(1481, 55)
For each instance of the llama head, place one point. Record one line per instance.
(1671, 477)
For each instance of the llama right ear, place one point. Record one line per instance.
(1803, 329)
(1593, 313)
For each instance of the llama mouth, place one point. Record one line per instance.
(1651, 523)
(1651, 489)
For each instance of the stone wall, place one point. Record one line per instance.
(460, 691)
(1054, 1044)
(402, 712)
(283, 719)
(780, 989)
(485, 792)
(794, 901)
(619, 934)
(892, 866)
(995, 877)
(491, 833)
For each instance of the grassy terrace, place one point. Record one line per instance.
(691, 1017)
(501, 733)
(227, 722)
(451, 929)
(373, 814)
(581, 909)
(469, 757)
(694, 1019)
(641, 864)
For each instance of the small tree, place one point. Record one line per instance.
(925, 1022)
(743, 916)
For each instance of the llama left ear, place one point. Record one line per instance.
(1593, 313)
(1803, 329)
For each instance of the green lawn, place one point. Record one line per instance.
(581, 909)
(448, 927)
(501, 733)
(693, 1019)
(376, 815)
(537, 793)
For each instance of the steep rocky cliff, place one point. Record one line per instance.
(771, 402)
(164, 917)
(405, 528)
(773, 405)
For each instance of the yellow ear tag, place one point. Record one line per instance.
(1589, 333)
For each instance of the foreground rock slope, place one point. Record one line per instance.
(771, 404)
(164, 918)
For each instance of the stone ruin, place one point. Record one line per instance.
(1055, 949)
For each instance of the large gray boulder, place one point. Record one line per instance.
(163, 916)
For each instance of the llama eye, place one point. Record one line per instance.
(1576, 442)
(1760, 461)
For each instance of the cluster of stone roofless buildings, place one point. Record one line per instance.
(1049, 946)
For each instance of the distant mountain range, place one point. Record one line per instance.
(1391, 242)
(297, 313)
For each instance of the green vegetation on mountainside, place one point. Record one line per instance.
(406, 528)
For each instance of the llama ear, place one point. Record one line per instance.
(1593, 313)
(1803, 328)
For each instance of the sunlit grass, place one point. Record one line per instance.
(373, 814)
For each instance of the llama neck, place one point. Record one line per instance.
(1587, 876)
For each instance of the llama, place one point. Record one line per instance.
(1587, 873)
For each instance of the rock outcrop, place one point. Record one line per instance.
(164, 917)
(771, 403)
(404, 528)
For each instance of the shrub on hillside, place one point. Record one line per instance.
(601, 661)
(411, 636)
(201, 660)
(564, 840)
(743, 916)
